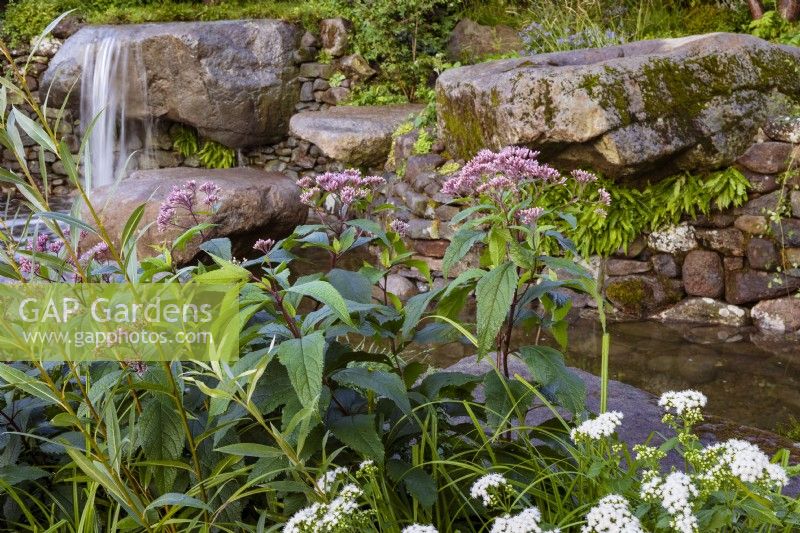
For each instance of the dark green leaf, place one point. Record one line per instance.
(358, 432)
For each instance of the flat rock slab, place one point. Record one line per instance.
(354, 135)
(235, 81)
(642, 415)
(254, 205)
(650, 106)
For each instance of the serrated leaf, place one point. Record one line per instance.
(494, 293)
(304, 362)
(220, 247)
(325, 293)
(461, 243)
(380, 382)
(161, 437)
(351, 285)
(358, 432)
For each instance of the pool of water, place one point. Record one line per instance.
(749, 379)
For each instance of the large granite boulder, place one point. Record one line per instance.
(360, 136)
(650, 106)
(254, 204)
(235, 81)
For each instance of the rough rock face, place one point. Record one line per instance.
(781, 315)
(470, 41)
(705, 311)
(660, 105)
(255, 205)
(235, 81)
(353, 135)
(703, 274)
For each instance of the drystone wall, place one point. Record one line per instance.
(737, 268)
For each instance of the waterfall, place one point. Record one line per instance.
(114, 95)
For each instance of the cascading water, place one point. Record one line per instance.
(113, 105)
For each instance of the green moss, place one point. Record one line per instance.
(466, 132)
(609, 92)
(629, 294)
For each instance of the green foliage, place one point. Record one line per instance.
(184, 140)
(635, 211)
(424, 142)
(210, 154)
(337, 79)
(26, 18)
(376, 94)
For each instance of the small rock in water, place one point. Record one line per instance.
(781, 315)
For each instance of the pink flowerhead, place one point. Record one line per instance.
(400, 227)
(583, 176)
(264, 245)
(605, 197)
(530, 216)
(514, 163)
(212, 193)
(346, 187)
(96, 252)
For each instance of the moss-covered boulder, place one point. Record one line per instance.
(660, 105)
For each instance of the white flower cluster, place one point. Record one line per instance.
(326, 482)
(488, 489)
(525, 522)
(604, 425)
(745, 461)
(612, 514)
(418, 528)
(674, 493)
(327, 517)
(683, 401)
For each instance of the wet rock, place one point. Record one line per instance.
(235, 81)
(781, 315)
(747, 286)
(355, 66)
(680, 238)
(714, 334)
(626, 267)
(785, 129)
(67, 27)
(792, 256)
(639, 295)
(761, 183)
(728, 241)
(705, 311)
(762, 254)
(634, 248)
(703, 274)
(795, 201)
(255, 205)
(768, 157)
(352, 135)
(418, 164)
(787, 231)
(471, 41)
(665, 265)
(431, 248)
(761, 205)
(617, 109)
(335, 95)
(398, 285)
(316, 70)
(715, 220)
(752, 224)
(335, 35)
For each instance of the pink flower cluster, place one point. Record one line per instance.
(185, 197)
(400, 227)
(497, 171)
(530, 216)
(264, 245)
(346, 186)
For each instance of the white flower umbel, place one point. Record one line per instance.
(682, 401)
(612, 514)
(341, 514)
(745, 461)
(419, 528)
(525, 522)
(489, 488)
(604, 425)
(674, 493)
(326, 482)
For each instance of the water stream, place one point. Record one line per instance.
(113, 95)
